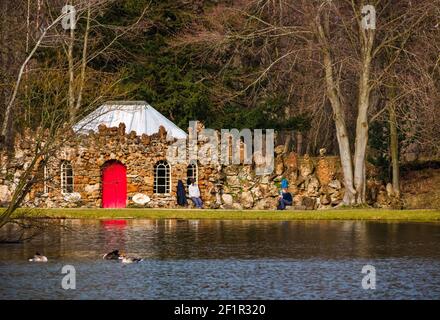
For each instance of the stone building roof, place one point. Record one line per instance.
(137, 116)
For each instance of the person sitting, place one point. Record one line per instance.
(194, 194)
(284, 200)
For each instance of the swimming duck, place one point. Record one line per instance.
(38, 258)
(125, 259)
(114, 255)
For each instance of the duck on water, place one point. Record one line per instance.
(38, 258)
(125, 259)
(116, 255)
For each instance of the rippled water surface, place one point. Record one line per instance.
(189, 259)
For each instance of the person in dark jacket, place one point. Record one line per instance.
(181, 194)
(285, 199)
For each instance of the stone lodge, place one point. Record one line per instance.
(113, 167)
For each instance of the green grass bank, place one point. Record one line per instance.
(422, 215)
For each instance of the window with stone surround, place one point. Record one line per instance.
(66, 177)
(191, 173)
(162, 177)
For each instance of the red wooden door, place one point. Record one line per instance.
(114, 185)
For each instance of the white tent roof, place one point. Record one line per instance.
(137, 116)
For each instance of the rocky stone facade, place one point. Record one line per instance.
(314, 182)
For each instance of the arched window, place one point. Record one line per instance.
(162, 177)
(191, 172)
(66, 177)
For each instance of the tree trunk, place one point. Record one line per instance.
(299, 142)
(341, 128)
(394, 143)
(83, 67)
(367, 39)
(71, 75)
(287, 142)
(27, 113)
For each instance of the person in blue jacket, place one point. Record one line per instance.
(285, 198)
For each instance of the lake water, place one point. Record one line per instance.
(209, 259)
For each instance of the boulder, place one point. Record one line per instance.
(292, 176)
(259, 159)
(325, 171)
(291, 162)
(329, 190)
(313, 186)
(246, 200)
(145, 139)
(335, 184)
(263, 188)
(246, 173)
(297, 200)
(382, 199)
(336, 198)
(121, 129)
(131, 188)
(227, 199)
(299, 181)
(325, 199)
(309, 203)
(279, 166)
(140, 198)
(162, 132)
(257, 193)
(231, 170)
(72, 197)
(279, 149)
(5, 194)
(306, 166)
(233, 181)
(390, 190)
(372, 190)
(273, 191)
(91, 188)
(267, 203)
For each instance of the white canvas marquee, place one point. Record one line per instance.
(137, 116)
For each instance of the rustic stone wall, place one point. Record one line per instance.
(315, 183)
(88, 154)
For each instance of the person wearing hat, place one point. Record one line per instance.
(285, 198)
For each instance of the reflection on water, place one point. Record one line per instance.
(228, 259)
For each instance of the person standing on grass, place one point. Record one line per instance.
(194, 194)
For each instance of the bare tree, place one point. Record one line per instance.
(350, 55)
(55, 120)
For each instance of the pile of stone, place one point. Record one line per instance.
(315, 183)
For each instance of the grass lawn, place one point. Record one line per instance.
(422, 215)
